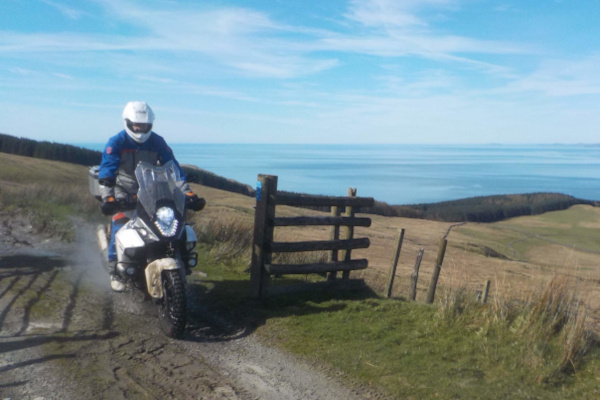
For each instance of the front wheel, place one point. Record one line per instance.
(172, 307)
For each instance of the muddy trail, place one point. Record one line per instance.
(65, 335)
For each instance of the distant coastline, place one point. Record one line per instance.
(486, 208)
(408, 174)
(475, 209)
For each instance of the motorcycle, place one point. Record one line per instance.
(154, 248)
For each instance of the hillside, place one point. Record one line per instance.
(454, 349)
(490, 208)
(48, 150)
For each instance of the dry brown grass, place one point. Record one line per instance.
(463, 267)
(226, 236)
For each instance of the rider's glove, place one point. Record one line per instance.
(109, 206)
(193, 202)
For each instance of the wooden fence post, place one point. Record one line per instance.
(436, 271)
(486, 290)
(349, 232)
(390, 285)
(264, 213)
(335, 235)
(267, 198)
(414, 277)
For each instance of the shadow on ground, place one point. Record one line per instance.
(224, 310)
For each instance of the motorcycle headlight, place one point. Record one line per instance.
(166, 222)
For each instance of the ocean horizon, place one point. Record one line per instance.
(404, 174)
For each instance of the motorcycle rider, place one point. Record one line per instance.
(118, 184)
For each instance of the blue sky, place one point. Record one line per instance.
(368, 71)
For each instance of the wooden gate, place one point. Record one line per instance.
(267, 198)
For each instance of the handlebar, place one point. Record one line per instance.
(124, 205)
(192, 203)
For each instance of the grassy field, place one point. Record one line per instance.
(529, 251)
(531, 341)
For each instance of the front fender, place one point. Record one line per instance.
(154, 271)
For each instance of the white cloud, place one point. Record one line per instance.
(243, 39)
(67, 11)
(391, 13)
(250, 42)
(561, 78)
(60, 42)
(394, 29)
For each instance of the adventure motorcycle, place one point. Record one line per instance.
(154, 248)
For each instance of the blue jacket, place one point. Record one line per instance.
(120, 157)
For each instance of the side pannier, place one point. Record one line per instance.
(93, 181)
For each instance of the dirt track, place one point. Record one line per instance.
(65, 335)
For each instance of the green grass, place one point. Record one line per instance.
(492, 237)
(514, 239)
(456, 349)
(570, 227)
(572, 216)
(27, 170)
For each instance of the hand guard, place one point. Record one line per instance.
(193, 202)
(109, 206)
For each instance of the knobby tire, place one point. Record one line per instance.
(172, 308)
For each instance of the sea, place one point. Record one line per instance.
(404, 173)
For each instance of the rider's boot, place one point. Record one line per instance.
(115, 283)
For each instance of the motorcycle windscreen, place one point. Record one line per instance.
(159, 183)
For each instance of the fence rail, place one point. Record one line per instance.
(267, 198)
(316, 268)
(323, 201)
(316, 221)
(319, 245)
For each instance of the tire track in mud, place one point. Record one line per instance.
(63, 334)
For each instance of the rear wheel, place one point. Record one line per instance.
(172, 307)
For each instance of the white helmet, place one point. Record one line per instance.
(138, 118)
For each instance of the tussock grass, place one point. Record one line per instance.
(549, 327)
(555, 324)
(308, 257)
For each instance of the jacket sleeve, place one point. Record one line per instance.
(111, 158)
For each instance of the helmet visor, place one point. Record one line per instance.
(138, 127)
